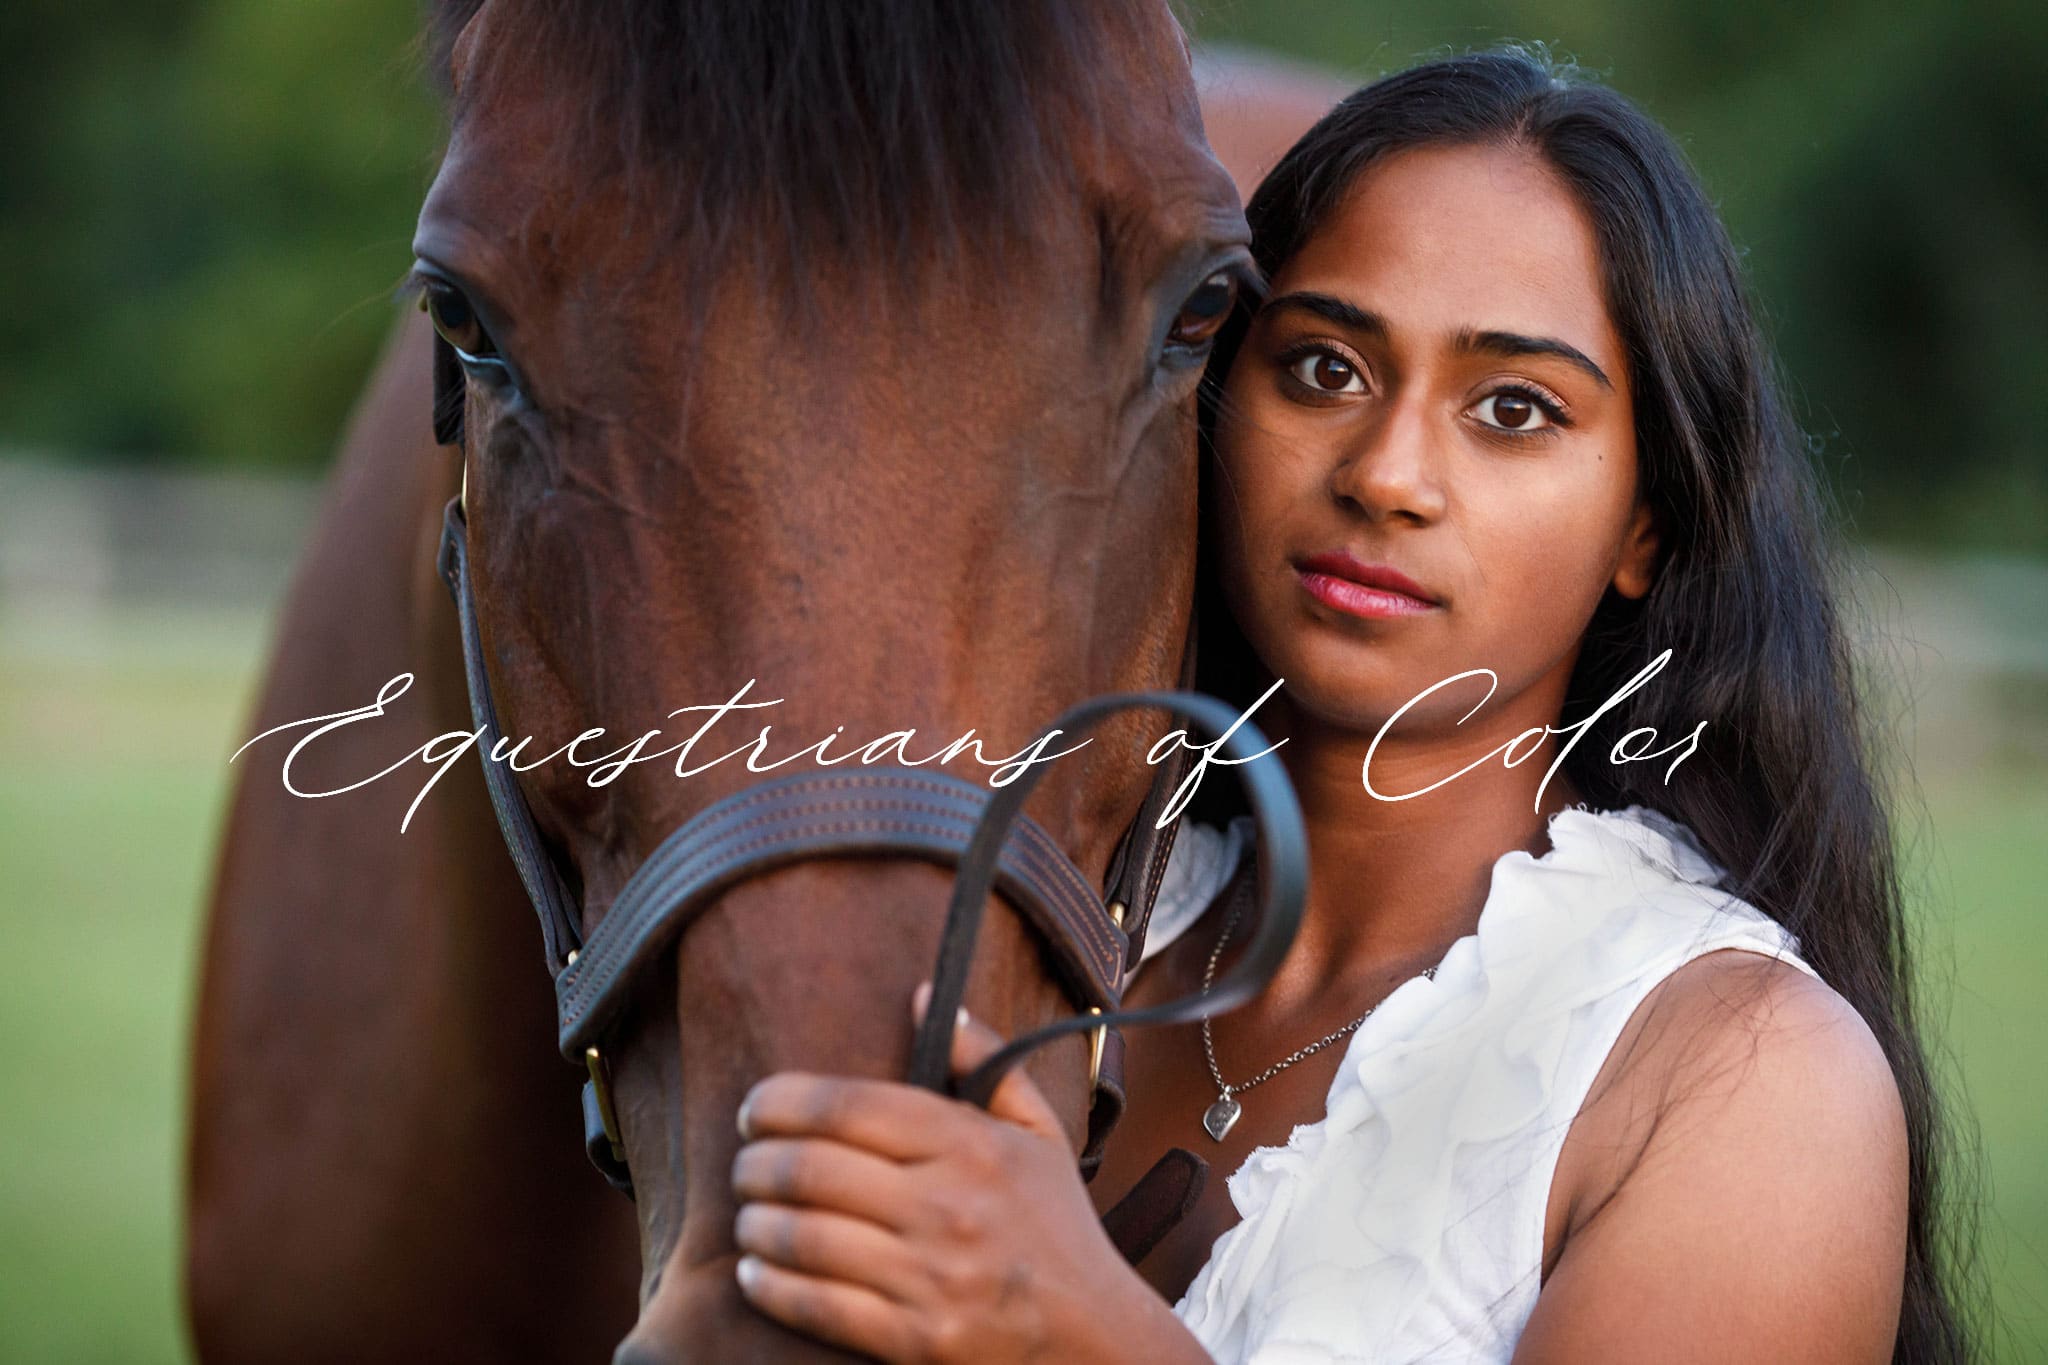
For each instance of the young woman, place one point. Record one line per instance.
(1596, 1042)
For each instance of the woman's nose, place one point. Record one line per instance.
(1391, 468)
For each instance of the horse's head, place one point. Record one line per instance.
(848, 348)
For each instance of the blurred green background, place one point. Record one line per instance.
(205, 203)
(204, 206)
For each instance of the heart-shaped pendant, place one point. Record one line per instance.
(1219, 1117)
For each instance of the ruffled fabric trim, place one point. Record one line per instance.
(1200, 864)
(1401, 1218)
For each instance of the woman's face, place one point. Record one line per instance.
(1433, 391)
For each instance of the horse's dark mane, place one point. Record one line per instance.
(878, 130)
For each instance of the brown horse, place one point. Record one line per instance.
(854, 358)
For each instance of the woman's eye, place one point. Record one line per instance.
(456, 321)
(1510, 410)
(1202, 316)
(1328, 372)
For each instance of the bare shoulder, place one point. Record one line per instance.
(1738, 1171)
(1743, 1044)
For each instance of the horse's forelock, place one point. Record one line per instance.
(880, 131)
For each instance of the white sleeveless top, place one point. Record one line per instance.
(1407, 1224)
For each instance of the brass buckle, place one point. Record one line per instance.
(1098, 1037)
(601, 1086)
(600, 1074)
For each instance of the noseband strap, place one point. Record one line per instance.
(893, 811)
(888, 811)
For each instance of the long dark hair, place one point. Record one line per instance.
(1781, 790)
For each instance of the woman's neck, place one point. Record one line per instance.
(1395, 882)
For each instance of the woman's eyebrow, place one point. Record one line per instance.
(1332, 309)
(1511, 344)
(1350, 316)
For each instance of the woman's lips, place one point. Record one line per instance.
(1347, 584)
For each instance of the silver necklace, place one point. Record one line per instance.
(1219, 1118)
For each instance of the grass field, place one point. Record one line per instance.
(113, 732)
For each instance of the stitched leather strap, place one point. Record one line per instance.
(882, 810)
(1155, 1205)
(894, 811)
(558, 921)
(1140, 863)
(885, 811)
(1107, 1105)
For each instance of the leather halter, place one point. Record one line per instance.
(900, 812)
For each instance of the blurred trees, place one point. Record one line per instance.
(204, 205)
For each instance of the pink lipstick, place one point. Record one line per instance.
(1343, 582)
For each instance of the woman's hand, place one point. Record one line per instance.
(891, 1221)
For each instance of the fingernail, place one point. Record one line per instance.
(748, 1271)
(921, 999)
(960, 1017)
(746, 1107)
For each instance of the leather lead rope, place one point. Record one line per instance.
(1282, 891)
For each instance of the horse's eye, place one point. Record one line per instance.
(1202, 316)
(456, 321)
